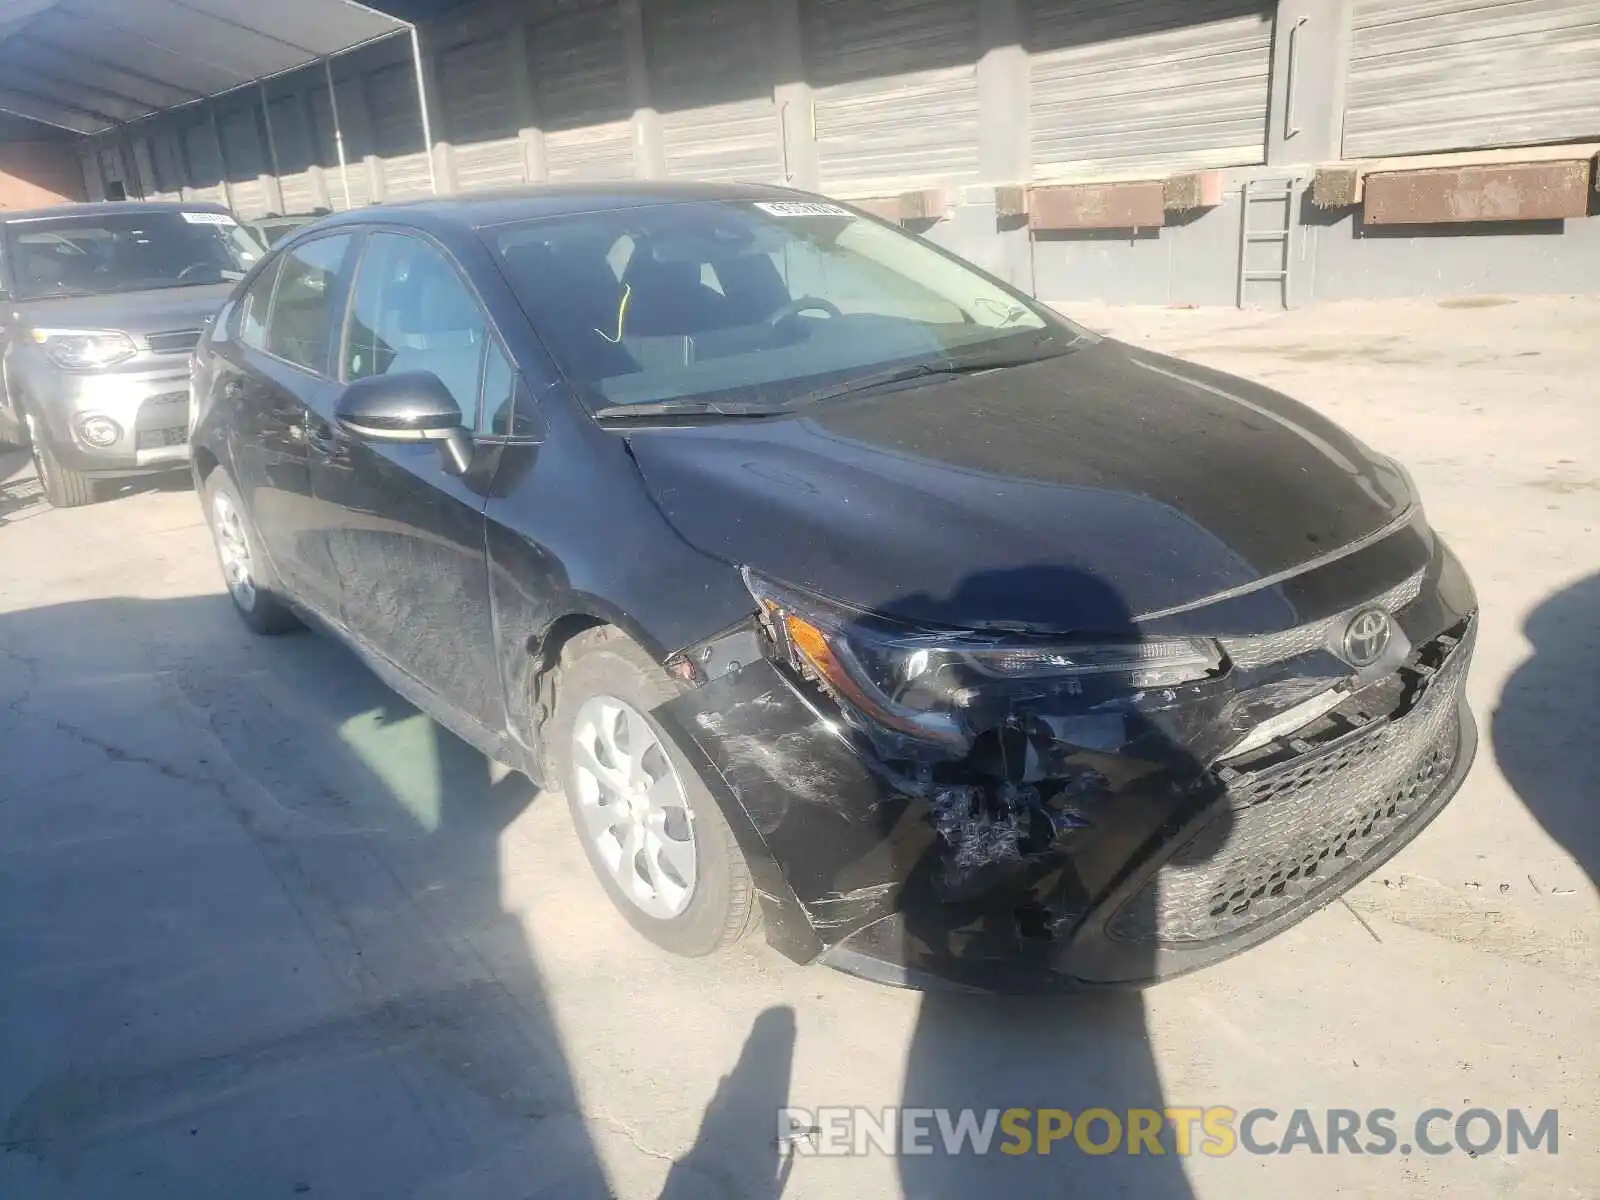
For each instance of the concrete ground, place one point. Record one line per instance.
(265, 931)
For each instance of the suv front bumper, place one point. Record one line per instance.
(150, 409)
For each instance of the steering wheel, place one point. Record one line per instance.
(804, 304)
(192, 268)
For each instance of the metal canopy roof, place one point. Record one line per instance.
(89, 66)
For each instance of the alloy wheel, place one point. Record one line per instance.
(635, 811)
(233, 549)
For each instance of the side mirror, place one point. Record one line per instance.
(411, 406)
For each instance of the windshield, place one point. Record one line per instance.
(126, 252)
(755, 306)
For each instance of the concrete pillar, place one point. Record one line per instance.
(321, 197)
(649, 151)
(535, 161)
(792, 95)
(1005, 153)
(1310, 64)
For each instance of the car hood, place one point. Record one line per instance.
(156, 310)
(1083, 493)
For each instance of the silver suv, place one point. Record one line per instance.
(100, 307)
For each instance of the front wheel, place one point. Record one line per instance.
(62, 488)
(652, 832)
(249, 587)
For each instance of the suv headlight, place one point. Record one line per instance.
(941, 686)
(85, 349)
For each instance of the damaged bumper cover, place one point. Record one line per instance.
(1117, 850)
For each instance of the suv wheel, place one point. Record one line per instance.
(653, 833)
(62, 488)
(243, 569)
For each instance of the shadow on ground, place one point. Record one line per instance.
(252, 940)
(253, 943)
(1086, 1059)
(1544, 725)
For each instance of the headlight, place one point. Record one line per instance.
(945, 685)
(85, 349)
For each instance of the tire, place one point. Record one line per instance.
(62, 488)
(251, 587)
(603, 666)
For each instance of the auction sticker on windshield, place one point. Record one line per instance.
(802, 208)
(208, 218)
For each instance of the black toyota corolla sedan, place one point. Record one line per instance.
(841, 588)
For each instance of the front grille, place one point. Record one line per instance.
(1265, 649)
(179, 341)
(1295, 829)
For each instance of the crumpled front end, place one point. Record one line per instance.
(1072, 842)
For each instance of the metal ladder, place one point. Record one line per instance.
(1280, 192)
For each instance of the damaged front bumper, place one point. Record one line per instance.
(1121, 865)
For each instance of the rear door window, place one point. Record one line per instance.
(256, 305)
(302, 324)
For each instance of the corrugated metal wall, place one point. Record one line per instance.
(1459, 74)
(711, 81)
(247, 160)
(896, 92)
(580, 81)
(204, 164)
(327, 152)
(1122, 87)
(1115, 89)
(478, 99)
(166, 159)
(396, 118)
(297, 151)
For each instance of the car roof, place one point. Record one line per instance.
(503, 206)
(104, 208)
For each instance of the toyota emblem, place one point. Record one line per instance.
(1367, 637)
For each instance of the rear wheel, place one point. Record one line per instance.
(250, 587)
(652, 832)
(62, 488)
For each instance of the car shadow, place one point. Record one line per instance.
(165, 481)
(277, 959)
(1543, 726)
(1085, 1053)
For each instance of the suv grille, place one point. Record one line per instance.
(178, 342)
(1295, 829)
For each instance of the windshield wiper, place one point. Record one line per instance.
(850, 387)
(680, 408)
(65, 294)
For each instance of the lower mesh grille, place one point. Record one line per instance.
(156, 439)
(1293, 831)
(162, 421)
